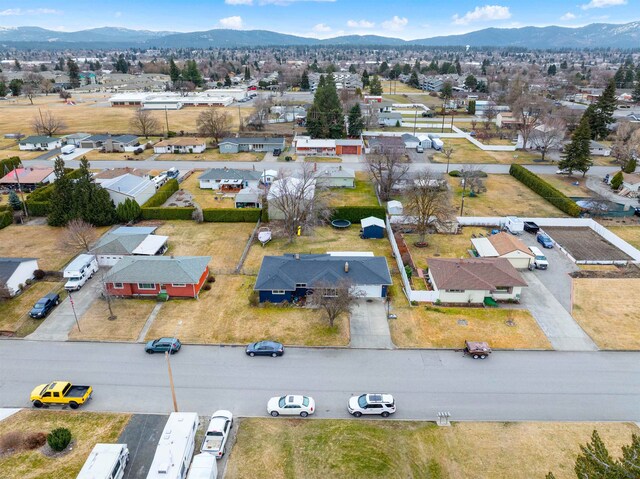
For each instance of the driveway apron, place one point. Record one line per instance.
(369, 326)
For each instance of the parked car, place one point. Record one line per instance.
(544, 240)
(540, 260)
(382, 404)
(531, 227)
(215, 439)
(563, 172)
(60, 392)
(636, 210)
(44, 306)
(162, 345)
(419, 149)
(277, 152)
(265, 348)
(172, 173)
(291, 405)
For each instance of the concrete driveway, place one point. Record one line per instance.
(57, 325)
(369, 326)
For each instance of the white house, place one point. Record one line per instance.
(504, 245)
(14, 272)
(337, 177)
(129, 241)
(631, 182)
(180, 145)
(130, 186)
(229, 179)
(390, 119)
(32, 143)
(470, 281)
(598, 149)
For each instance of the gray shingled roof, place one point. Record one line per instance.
(38, 139)
(230, 174)
(253, 141)
(158, 269)
(113, 243)
(284, 272)
(9, 265)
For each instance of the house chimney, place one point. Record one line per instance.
(346, 266)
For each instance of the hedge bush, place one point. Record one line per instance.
(163, 194)
(6, 218)
(4, 208)
(355, 214)
(231, 215)
(174, 213)
(546, 190)
(38, 208)
(59, 439)
(9, 164)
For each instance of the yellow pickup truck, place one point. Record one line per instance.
(61, 392)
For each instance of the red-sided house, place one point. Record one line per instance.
(181, 276)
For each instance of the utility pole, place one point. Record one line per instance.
(24, 203)
(74, 311)
(173, 389)
(443, 114)
(464, 188)
(415, 119)
(166, 119)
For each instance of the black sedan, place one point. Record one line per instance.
(265, 348)
(44, 306)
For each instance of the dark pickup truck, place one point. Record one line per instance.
(531, 227)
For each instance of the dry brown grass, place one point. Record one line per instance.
(322, 240)
(87, 429)
(38, 241)
(213, 155)
(384, 449)
(398, 87)
(362, 195)
(15, 151)
(437, 327)
(14, 311)
(607, 309)
(223, 315)
(631, 234)
(566, 185)
(224, 242)
(504, 196)
(206, 198)
(96, 155)
(131, 314)
(443, 246)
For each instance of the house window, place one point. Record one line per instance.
(301, 285)
(178, 285)
(455, 290)
(118, 285)
(277, 291)
(146, 286)
(330, 293)
(502, 289)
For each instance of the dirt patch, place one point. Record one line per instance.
(584, 244)
(180, 198)
(47, 451)
(619, 272)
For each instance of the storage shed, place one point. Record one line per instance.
(394, 207)
(372, 228)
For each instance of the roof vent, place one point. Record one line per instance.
(346, 266)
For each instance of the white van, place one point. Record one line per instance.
(79, 271)
(68, 149)
(203, 466)
(106, 461)
(540, 260)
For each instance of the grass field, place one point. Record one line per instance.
(206, 198)
(398, 87)
(322, 159)
(504, 196)
(566, 184)
(38, 241)
(439, 327)
(224, 242)
(607, 310)
(14, 311)
(223, 315)
(322, 240)
(87, 429)
(96, 155)
(631, 234)
(131, 314)
(466, 152)
(362, 195)
(358, 449)
(442, 245)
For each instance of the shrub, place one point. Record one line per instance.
(163, 194)
(9, 164)
(6, 218)
(206, 287)
(631, 166)
(454, 173)
(254, 299)
(231, 215)
(34, 440)
(211, 279)
(171, 134)
(128, 211)
(37, 208)
(288, 158)
(39, 274)
(59, 439)
(546, 190)
(11, 441)
(616, 181)
(355, 214)
(167, 213)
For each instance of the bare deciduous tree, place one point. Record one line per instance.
(213, 123)
(387, 168)
(262, 108)
(549, 135)
(529, 114)
(428, 200)
(334, 298)
(472, 178)
(78, 235)
(626, 143)
(144, 123)
(47, 124)
(108, 298)
(31, 86)
(46, 86)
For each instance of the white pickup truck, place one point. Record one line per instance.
(215, 439)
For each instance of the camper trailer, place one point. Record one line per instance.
(204, 466)
(79, 271)
(175, 448)
(106, 461)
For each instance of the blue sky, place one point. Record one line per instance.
(407, 19)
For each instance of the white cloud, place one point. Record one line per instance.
(31, 11)
(117, 14)
(321, 27)
(234, 23)
(395, 24)
(238, 2)
(360, 24)
(603, 4)
(485, 13)
(568, 16)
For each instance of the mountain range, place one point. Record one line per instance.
(596, 35)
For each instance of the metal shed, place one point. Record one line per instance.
(372, 228)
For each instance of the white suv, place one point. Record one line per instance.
(382, 404)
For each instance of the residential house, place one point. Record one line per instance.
(180, 276)
(128, 241)
(305, 145)
(372, 228)
(268, 176)
(630, 182)
(410, 141)
(180, 145)
(27, 179)
(241, 144)
(111, 144)
(504, 245)
(76, 138)
(337, 177)
(292, 276)
(380, 144)
(130, 186)
(111, 173)
(470, 281)
(248, 198)
(390, 119)
(35, 143)
(349, 146)
(506, 119)
(289, 185)
(229, 179)
(598, 149)
(15, 272)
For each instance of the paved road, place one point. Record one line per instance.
(550, 385)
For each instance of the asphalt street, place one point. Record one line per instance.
(508, 386)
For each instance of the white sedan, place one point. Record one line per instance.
(291, 405)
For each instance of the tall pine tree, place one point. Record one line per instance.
(375, 87)
(604, 108)
(60, 202)
(174, 71)
(356, 122)
(577, 155)
(325, 118)
(304, 81)
(636, 91)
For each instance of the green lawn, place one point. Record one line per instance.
(362, 195)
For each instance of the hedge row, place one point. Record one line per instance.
(156, 213)
(231, 215)
(546, 190)
(355, 214)
(43, 193)
(9, 164)
(163, 194)
(4, 208)
(6, 218)
(38, 208)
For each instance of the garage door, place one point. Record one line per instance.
(349, 150)
(371, 291)
(108, 260)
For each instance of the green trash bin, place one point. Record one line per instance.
(163, 296)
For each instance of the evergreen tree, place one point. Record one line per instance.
(122, 65)
(595, 461)
(616, 181)
(304, 81)
(356, 122)
(227, 80)
(471, 82)
(577, 155)
(552, 70)
(383, 68)
(74, 73)
(352, 68)
(414, 81)
(60, 202)
(3, 89)
(619, 77)
(631, 165)
(247, 73)
(365, 79)
(128, 211)
(325, 118)
(174, 71)
(447, 90)
(15, 86)
(91, 202)
(375, 87)
(458, 67)
(604, 108)
(192, 73)
(636, 91)
(471, 108)
(14, 201)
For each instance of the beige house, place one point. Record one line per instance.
(504, 245)
(631, 182)
(471, 280)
